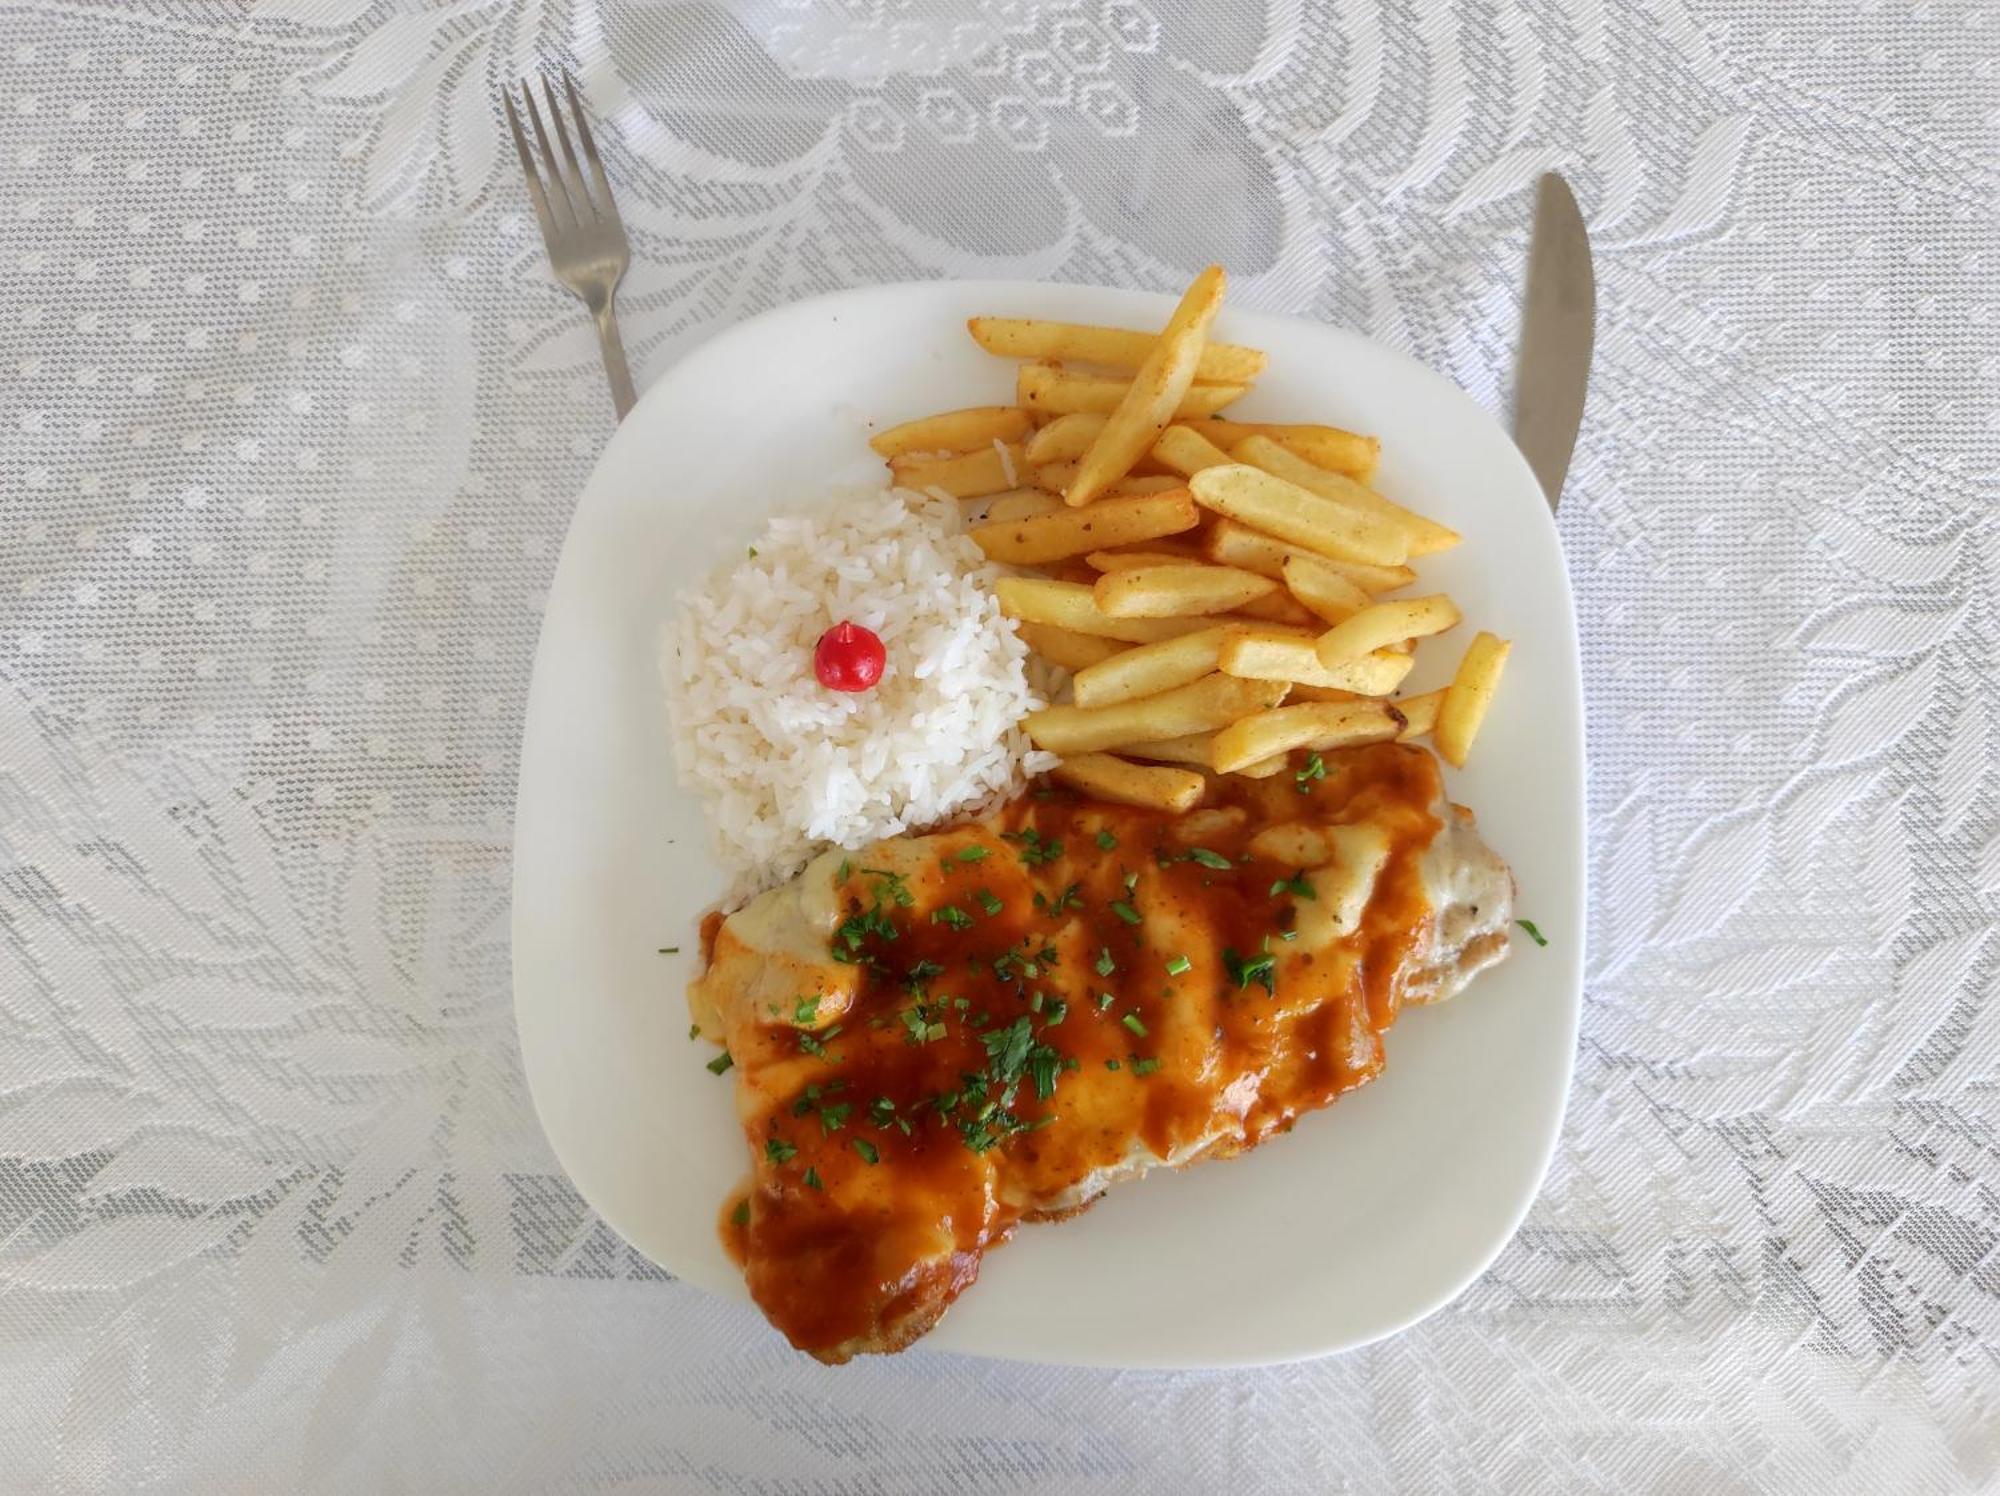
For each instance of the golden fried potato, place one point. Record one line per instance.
(1107, 347)
(1316, 725)
(1231, 544)
(1468, 696)
(1269, 655)
(973, 475)
(1071, 605)
(1149, 669)
(1382, 624)
(1041, 538)
(1256, 498)
(1178, 590)
(954, 431)
(1204, 705)
(1153, 786)
(1063, 647)
(1423, 536)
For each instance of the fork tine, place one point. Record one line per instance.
(528, 169)
(589, 146)
(579, 195)
(557, 188)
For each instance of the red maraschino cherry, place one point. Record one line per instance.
(848, 657)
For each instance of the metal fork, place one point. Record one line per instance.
(584, 235)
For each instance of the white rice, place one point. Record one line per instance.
(787, 767)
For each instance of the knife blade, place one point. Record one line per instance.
(1558, 327)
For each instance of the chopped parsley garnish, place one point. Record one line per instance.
(868, 1151)
(1104, 1000)
(953, 916)
(778, 1151)
(694, 1031)
(740, 1216)
(815, 1044)
(1112, 1065)
(833, 1118)
(1069, 898)
(1296, 885)
(1034, 851)
(1125, 911)
(721, 1063)
(1106, 841)
(1533, 934)
(1007, 1049)
(1105, 965)
(856, 929)
(1262, 970)
(1042, 1065)
(1179, 966)
(1054, 1011)
(813, 1179)
(919, 1028)
(1208, 859)
(974, 854)
(1145, 1066)
(670, 950)
(918, 977)
(893, 885)
(846, 867)
(988, 902)
(1132, 1022)
(807, 1010)
(1315, 768)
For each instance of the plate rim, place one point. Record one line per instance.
(574, 1162)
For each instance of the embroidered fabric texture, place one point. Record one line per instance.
(291, 422)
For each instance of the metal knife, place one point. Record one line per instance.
(1558, 326)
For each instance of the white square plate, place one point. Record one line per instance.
(1365, 1218)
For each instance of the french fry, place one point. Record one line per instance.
(1259, 655)
(1133, 483)
(1307, 519)
(1071, 605)
(1178, 590)
(1107, 347)
(1301, 692)
(1187, 451)
(1323, 589)
(1153, 786)
(1201, 706)
(1044, 390)
(1153, 553)
(991, 469)
(1020, 503)
(1317, 725)
(1423, 536)
(1420, 714)
(1061, 647)
(1159, 390)
(1192, 749)
(1043, 538)
(1053, 476)
(954, 431)
(1148, 669)
(1278, 607)
(1381, 624)
(1228, 543)
(1468, 696)
(1324, 446)
(1264, 768)
(1064, 439)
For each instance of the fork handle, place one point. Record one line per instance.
(615, 368)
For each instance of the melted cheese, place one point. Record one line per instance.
(1177, 1051)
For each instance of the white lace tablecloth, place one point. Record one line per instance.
(291, 420)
